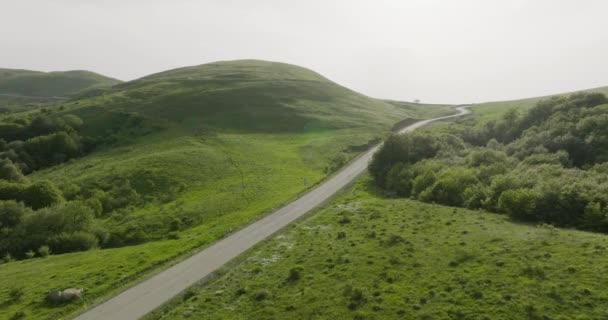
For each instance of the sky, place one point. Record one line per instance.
(439, 51)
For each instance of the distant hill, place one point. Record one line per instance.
(488, 110)
(19, 87)
(246, 96)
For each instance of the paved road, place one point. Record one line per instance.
(146, 296)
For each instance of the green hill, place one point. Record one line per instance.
(369, 255)
(491, 110)
(20, 87)
(176, 160)
(245, 96)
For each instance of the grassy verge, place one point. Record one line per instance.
(367, 257)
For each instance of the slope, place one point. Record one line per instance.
(186, 156)
(492, 110)
(20, 87)
(369, 257)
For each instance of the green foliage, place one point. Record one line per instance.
(62, 228)
(15, 294)
(51, 149)
(449, 186)
(40, 142)
(30, 254)
(74, 241)
(41, 194)
(12, 213)
(10, 172)
(519, 204)
(44, 251)
(596, 217)
(544, 165)
(36, 195)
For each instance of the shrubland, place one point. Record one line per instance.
(546, 165)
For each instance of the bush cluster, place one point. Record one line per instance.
(65, 227)
(548, 165)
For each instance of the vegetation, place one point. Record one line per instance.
(403, 259)
(172, 162)
(494, 110)
(25, 89)
(546, 165)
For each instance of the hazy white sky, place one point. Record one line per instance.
(435, 50)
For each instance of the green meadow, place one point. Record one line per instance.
(365, 256)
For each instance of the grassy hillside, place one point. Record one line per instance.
(188, 155)
(368, 257)
(22, 87)
(493, 110)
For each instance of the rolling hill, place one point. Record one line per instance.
(490, 110)
(185, 156)
(504, 249)
(20, 87)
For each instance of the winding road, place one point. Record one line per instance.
(137, 301)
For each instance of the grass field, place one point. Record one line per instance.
(368, 257)
(236, 138)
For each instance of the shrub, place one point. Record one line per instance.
(41, 194)
(10, 172)
(260, 295)
(7, 258)
(18, 315)
(11, 191)
(535, 272)
(595, 217)
(12, 213)
(519, 204)
(294, 274)
(71, 242)
(356, 298)
(175, 225)
(451, 184)
(44, 251)
(15, 294)
(422, 182)
(399, 179)
(30, 254)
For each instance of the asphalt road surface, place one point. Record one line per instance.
(148, 295)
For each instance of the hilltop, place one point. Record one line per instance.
(19, 87)
(244, 96)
